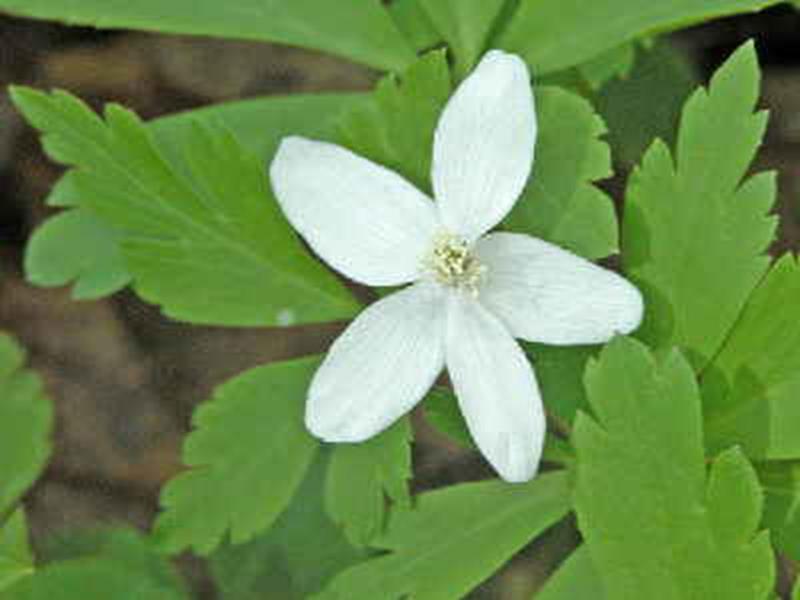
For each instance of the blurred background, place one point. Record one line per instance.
(125, 380)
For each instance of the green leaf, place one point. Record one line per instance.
(465, 25)
(248, 454)
(415, 24)
(654, 524)
(260, 124)
(751, 388)
(454, 539)
(76, 246)
(122, 545)
(694, 237)
(442, 411)
(26, 421)
(560, 204)
(559, 370)
(118, 564)
(16, 559)
(203, 236)
(781, 484)
(576, 578)
(295, 558)
(615, 63)
(556, 34)
(396, 127)
(93, 247)
(362, 476)
(355, 29)
(626, 104)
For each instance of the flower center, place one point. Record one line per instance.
(452, 263)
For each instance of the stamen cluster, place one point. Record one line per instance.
(453, 264)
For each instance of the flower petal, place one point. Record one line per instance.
(484, 145)
(545, 294)
(363, 219)
(380, 367)
(496, 389)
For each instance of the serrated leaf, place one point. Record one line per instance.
(557, 34)
(361, 478)
(395, 129)
(694, 234)
(465, 26)
(295, 558)
(560, 204)
(655, 526)
(575, 579)
(118, 564)
(751, 388)
(781, 483)
(257, 124)
(204, 238)
(361, 31)
(76, 246)
(475, 527)
(26, 421)
(247, 455)
(415, 24)
(16, 559)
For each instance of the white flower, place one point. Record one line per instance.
(472, 293)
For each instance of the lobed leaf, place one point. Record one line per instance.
(92, 246)
(358, 30)
(361, 478)
(557, 34)
(248, 454)
(77, 246)
(201, 235)
(293, 559)
(560, 204)
(474, 526)
(695, 236)
(655, 525)
(26, 422)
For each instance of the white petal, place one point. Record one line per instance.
(545, 294)
(380, 367)
(484, 144)
(363, 219)
(496, 389)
